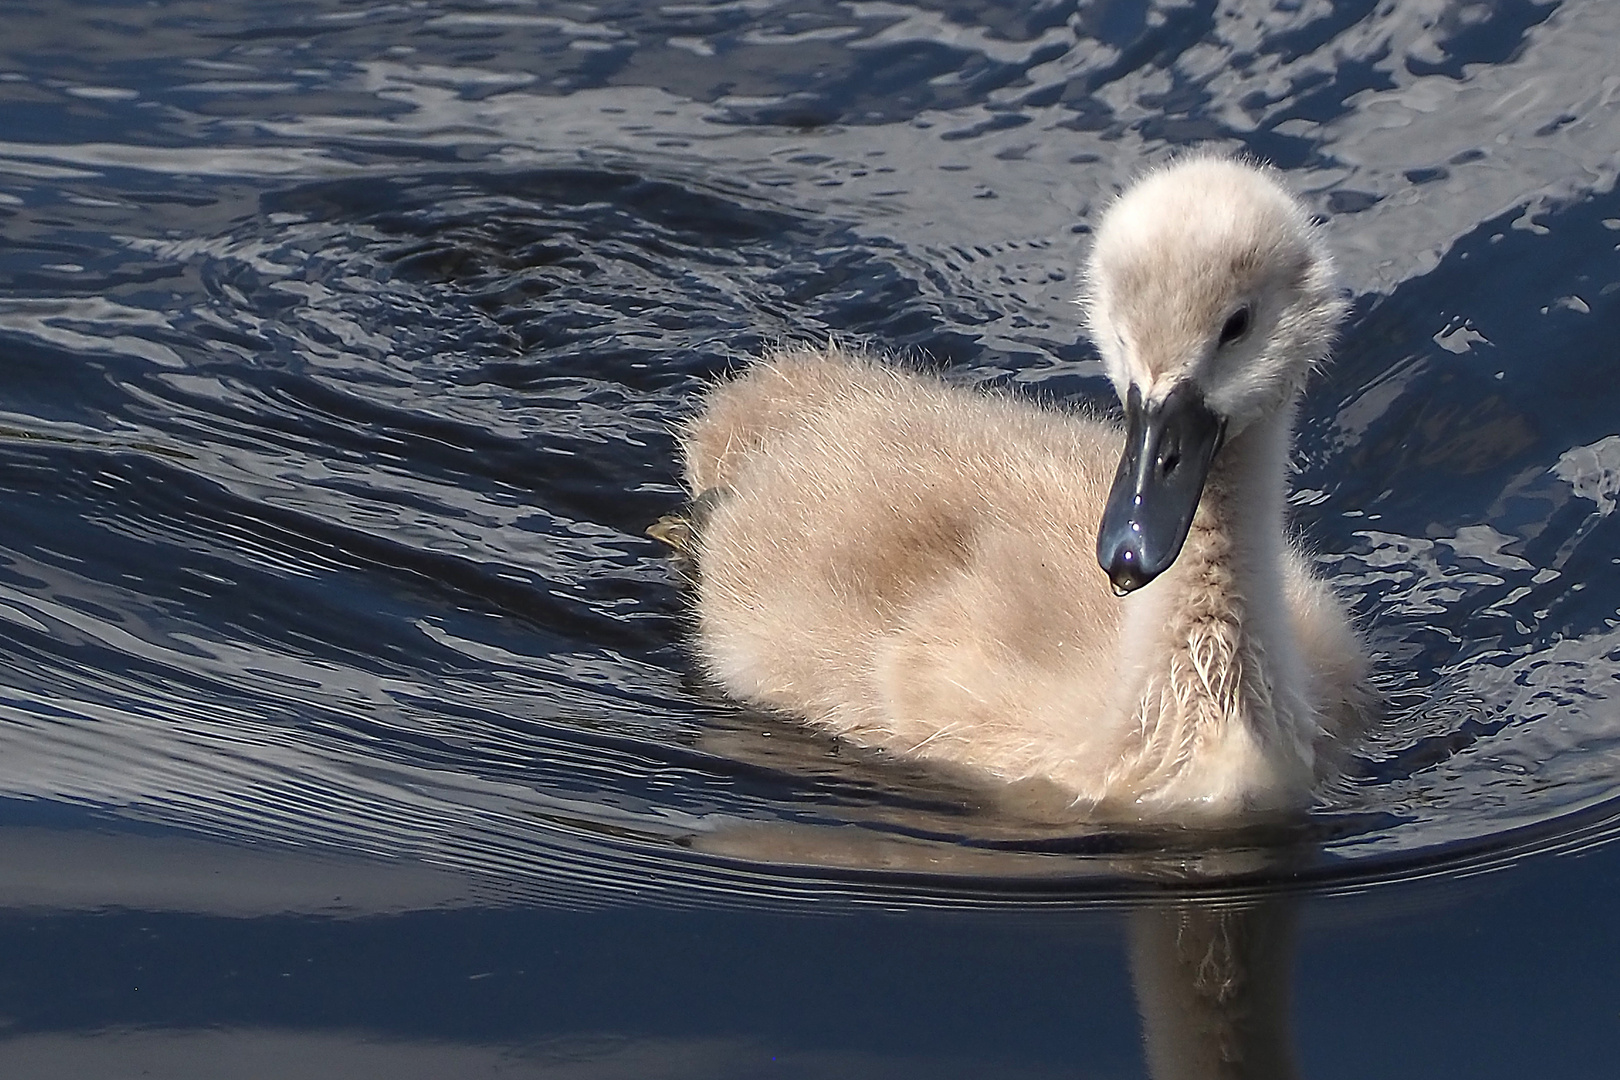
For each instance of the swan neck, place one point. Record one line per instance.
(1220, 709)
(1246, 497)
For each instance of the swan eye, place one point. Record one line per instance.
(1237, 324)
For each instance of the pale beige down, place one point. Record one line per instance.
(913, 566)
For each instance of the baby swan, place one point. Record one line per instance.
(909, 565)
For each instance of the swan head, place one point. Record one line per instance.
(1211, 298)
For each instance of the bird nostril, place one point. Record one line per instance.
(1168, 463)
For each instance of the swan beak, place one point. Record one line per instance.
(1168, 448)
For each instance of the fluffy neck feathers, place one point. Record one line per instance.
(1214, 673)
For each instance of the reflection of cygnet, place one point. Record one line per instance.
(1213, 983)
(911, 566)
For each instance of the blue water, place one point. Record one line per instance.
(345, 719)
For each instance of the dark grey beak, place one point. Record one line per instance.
(1168, 448)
